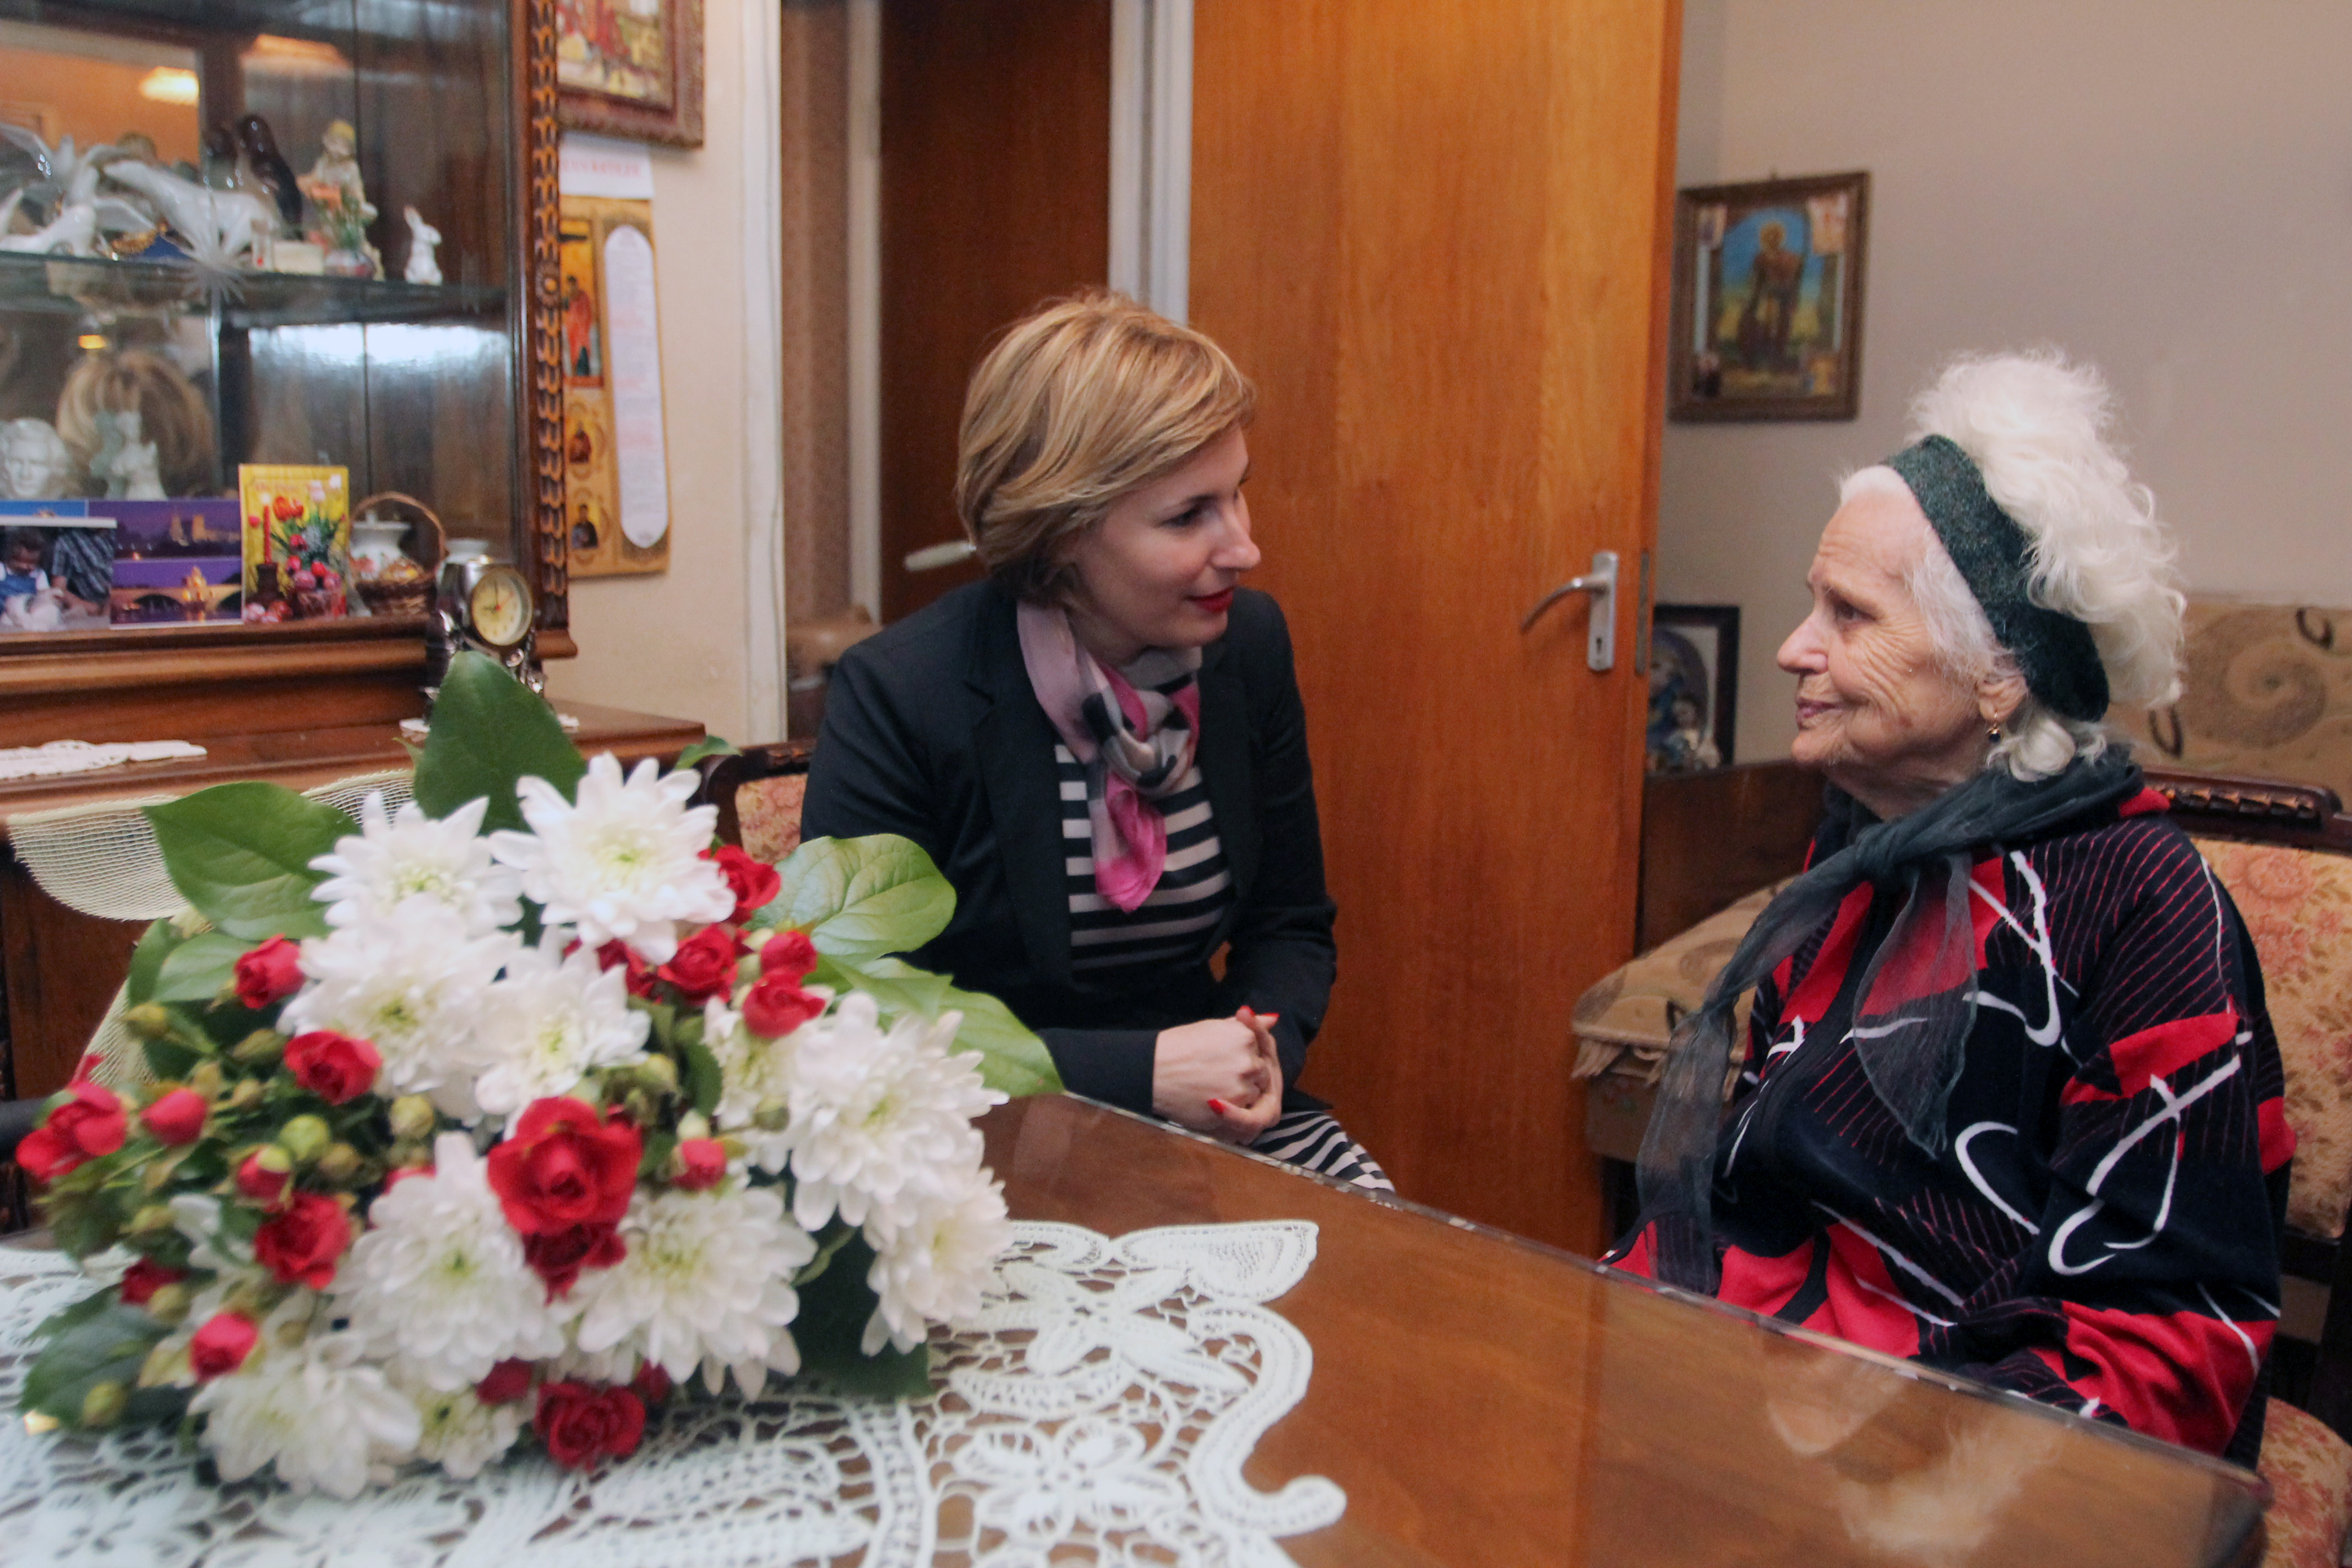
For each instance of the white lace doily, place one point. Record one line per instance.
(1107, 1398)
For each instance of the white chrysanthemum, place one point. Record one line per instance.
(322, 1414)
(457, 1431)
(753, 1070)
(411, 985)
(624, 863)
(549, 1024)
(439, 1280)
(881, 1123)
(933, 1270)
(707, 1282)
(409, 855)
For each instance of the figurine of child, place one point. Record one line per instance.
(423, 267)
(338, 168)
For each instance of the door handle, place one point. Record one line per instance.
(931, 557)
(1601, 646)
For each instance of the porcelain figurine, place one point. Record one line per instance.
(219, 228)
(126, 462)
(423, 267)
(259, 146)
(35, 462)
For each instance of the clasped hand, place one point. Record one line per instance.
(1220, 1076)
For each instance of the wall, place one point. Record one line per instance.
(678, 643)
(2162, 187)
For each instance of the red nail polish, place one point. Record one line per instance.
(1221, 1108)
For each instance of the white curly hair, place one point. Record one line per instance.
(2040, 427)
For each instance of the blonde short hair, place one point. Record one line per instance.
(1078, 403)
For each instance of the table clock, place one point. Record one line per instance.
(486, 606)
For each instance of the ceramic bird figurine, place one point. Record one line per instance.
(218, 226)
(270, 170)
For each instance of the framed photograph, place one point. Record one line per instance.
(1694, 687)
(1768, 299)
(631, 67)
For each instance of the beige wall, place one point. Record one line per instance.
(2162, 187)
(676, 643)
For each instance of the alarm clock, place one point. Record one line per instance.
(486, 606)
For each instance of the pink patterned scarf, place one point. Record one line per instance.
(1133, 729)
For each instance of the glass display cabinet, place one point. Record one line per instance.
(314, 235)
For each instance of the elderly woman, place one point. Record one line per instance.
(2011, 1102)
(1102, 745)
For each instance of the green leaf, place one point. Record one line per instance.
(896, 985)
(709, 746)
(1012, 1059)
(147, 960)
(196, 969)
(241, 854)
(703, 1081)
(861, 898)
(832, 1322)
(488, 731)
(87, 1346)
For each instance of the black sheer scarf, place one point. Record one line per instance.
(1910, 1033)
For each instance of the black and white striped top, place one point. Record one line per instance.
(1174, 924)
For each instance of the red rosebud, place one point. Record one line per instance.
(265, 1181)
(89, 1123)
(336, 1068)
(270, 972)
(789, 955)
(639, 976)
(146, 1277)
(754, 882)
(562, 1165)
(559, 1258)
(652, 1383)
(703, 1164)
(777, 1006)
(507, 1381)
(303, 1245)
(704, 964)
(177, 1118)
(222, 1344)
(581, 1424)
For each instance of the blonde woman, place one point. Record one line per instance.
(1102, 745)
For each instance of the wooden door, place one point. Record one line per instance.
(995, 196)
(1436, 235)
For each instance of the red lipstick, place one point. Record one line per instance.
(1217, 604)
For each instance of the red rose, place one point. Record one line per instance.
(777, 1006)
(559, 1258)
(177, 1118)
(789, 955)
(581, 1424)
(222, 1344)
(704, 964)
(265, 1177)
(270, 972)
(303, 1245)
(90, 1123)
(652, 1383)
(335, 1068)
(510, 1380)
(146, 1277)
(564, 1164)
(639, 977)
(754, 882)
(702, 1163)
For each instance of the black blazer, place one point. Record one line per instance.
(932, 732)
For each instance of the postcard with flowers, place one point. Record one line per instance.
(297, 540)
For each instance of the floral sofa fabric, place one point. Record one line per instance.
(768, 812)
(2267, 692)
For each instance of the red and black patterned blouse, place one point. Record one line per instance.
(2101, 1229)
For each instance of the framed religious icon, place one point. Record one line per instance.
(1693, 688)
(631, 67)
(1768, 299)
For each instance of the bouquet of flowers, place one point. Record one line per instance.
(515, 1111)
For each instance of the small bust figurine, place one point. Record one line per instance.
(35, 463)
(423, 267)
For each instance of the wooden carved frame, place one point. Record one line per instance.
(539, 364)
(680, 124)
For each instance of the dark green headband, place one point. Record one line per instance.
(2055, 651)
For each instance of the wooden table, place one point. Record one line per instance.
(62, 966)
(1486, 1401)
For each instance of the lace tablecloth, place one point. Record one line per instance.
(1107, 1399)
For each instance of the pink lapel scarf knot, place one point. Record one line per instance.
(1133, 729)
